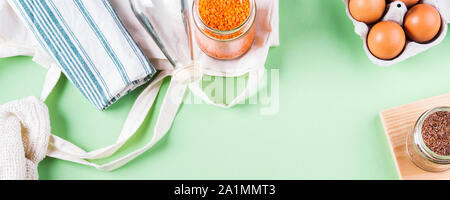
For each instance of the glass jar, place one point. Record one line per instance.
(229, 44)
(419, 153)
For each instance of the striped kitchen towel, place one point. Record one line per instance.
(90, 44)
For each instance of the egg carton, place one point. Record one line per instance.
(396, 12)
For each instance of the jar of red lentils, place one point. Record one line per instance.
(225, 29)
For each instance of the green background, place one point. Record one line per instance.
(327, 127)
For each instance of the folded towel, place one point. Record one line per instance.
(90, 44)
(24, 136)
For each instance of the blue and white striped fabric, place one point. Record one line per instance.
(91, 45)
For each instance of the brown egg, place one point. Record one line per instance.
(408, 3)
(367, 11)
(422, 23)
(386, 40)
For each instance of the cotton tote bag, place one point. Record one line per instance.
(251, 63)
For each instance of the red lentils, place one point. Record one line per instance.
(224, 15)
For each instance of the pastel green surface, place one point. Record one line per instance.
(327, 126)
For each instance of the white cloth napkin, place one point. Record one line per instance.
(24, 137)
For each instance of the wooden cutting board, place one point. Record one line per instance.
(398, 123)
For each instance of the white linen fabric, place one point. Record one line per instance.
(183, 78)
(24, 137)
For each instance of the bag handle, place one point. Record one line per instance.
(62, 149)
(51, 79)
(254, 76)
